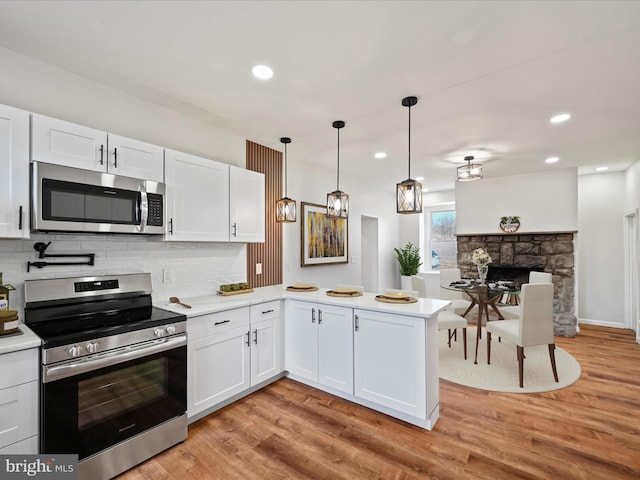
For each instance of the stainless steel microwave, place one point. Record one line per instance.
(65, 199)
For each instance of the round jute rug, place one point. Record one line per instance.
(502, 374)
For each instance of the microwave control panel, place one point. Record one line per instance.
(155, 210)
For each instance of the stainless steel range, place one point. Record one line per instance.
(114, 371)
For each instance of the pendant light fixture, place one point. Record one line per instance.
(338, 201)
(409, 192)
(470, 171)
(285, 207)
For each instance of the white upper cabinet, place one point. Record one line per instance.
(246, 205)
(197, 201)
(209, 201)
(65, 143)
(133, 158)
(14, 181)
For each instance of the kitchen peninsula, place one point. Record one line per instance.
(380, 355)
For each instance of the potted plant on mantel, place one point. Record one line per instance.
(409, 260)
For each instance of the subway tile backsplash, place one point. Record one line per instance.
(181, 269)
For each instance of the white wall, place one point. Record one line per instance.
(632, 187)
(544, 201)
(600, 270)
(38, 87)
(311, 185)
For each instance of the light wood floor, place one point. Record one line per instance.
(590, 430)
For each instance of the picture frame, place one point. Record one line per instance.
(323, 240)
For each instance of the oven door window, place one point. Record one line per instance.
(77, 202)
(93, 411)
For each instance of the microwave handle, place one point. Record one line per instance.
(143, 209)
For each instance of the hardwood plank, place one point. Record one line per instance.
(590, 430)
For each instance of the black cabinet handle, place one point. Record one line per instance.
(313, 315)
(319, 317)
(20, 218)
(115, 157)
(220, 323)
(357, 325)
(255, 336)
(101, 154)
(248, 338)
(171, 226)
(264, 313)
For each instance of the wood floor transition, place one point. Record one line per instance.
(590, 430)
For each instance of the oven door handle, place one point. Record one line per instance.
(121, 355)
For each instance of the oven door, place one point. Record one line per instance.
(92, 404)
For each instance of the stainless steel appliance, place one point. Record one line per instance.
(114, 371)
(66, 199)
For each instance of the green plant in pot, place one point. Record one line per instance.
(409, 259)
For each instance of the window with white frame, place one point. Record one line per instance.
(441, 237)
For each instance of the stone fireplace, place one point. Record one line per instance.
(518, 254)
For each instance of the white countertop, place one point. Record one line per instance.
(423, 308)
(13, 343)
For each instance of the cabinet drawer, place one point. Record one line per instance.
(18, 413)
(265, 311)
(211, 323)
(18, 367)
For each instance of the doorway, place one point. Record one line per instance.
(369, 251)
(631, 274)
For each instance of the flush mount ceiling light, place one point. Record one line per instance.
(380, 155)
(262, 72)
(552, 160)
(602, 169)
(470, 171)
(409, 192)
(561, 117)
(285, 207)
(338, 201)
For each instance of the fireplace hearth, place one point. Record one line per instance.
(514, 256)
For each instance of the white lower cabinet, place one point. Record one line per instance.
(390, 361)
(231, 351)
(19, 402)
(319, 344)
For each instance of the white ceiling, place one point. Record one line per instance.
(488, 75)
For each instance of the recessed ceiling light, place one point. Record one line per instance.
(419, 179)
(380, 155)
(262, 72)
(552, 160)
(602, 169)
(561, 117)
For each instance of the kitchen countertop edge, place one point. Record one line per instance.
(202, 305)
(15, 343)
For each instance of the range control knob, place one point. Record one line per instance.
(170, 330)
(75, 350)
(159, 332)
(92, 347)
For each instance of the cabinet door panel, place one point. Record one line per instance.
(136, 159)
(335, 347)
(265, 350)
(219, 368)
(301, 340)
(246, 205)
(390, 361)
(18, 418)
(14, 181)
(197, 198)
(65, 143)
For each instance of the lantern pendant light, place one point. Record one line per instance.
(470, 171)
(338, 201)
(409, 192)
(285, 207)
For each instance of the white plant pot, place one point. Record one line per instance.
(405, 282)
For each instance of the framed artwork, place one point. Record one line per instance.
(323, 240)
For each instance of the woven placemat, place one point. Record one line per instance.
(301, 289)
(382, 298)
(331, 293)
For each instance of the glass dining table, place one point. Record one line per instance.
(484, 296)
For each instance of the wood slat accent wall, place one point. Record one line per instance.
(268, 161)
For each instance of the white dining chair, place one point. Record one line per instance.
(447, 319)
(533, 327)
(511, 312)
